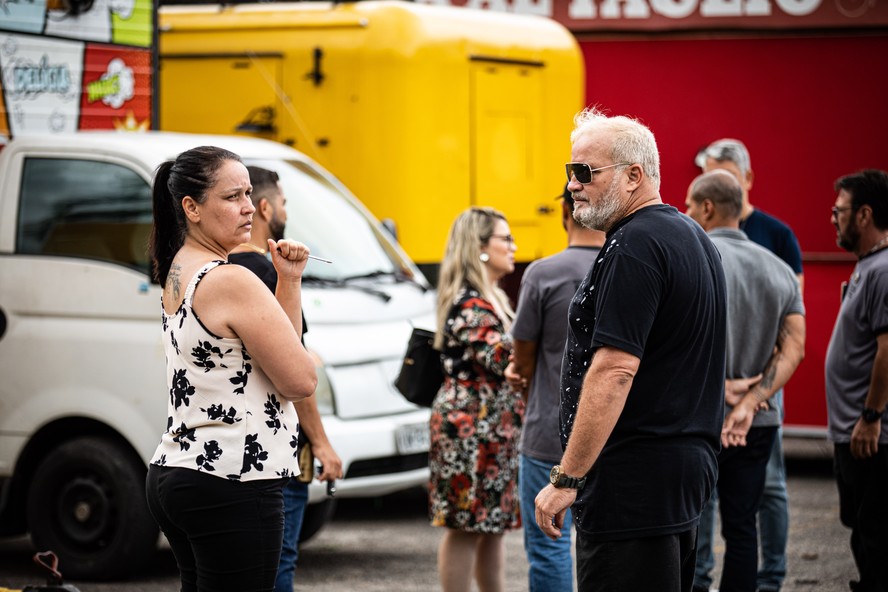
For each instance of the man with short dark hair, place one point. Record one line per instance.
(269, 221)
(857, 375)
(642, 378)
(766, 338)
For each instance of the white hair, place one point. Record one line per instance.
(633, 141)
(730, 150)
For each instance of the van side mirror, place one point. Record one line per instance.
(390, 226)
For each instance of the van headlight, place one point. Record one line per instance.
(324, 392)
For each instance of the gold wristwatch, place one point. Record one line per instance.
(562, 480)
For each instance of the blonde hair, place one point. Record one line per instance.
(462, 266)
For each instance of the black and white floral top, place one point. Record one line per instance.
(224, 416)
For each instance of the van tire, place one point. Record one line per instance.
(315, 516)
(87, 505)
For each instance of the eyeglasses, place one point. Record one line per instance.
(583, 172)
(835, 210)
(506, 237)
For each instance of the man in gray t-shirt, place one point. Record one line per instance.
(539, 332)
(857, 374)
(766, 337)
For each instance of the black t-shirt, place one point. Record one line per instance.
(262, 267)
(657, 291)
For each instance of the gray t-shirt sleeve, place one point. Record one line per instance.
(528, 316)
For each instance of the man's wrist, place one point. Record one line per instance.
(870, 415)
(561, 480)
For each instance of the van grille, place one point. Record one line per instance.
(386, 465)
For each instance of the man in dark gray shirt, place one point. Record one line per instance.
(857, 375)
(766, 336)
(539, 332)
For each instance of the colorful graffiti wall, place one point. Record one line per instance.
(69, 65)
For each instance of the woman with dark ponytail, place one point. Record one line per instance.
(235, 364)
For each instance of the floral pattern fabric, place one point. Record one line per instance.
(224, 416)
(475, 425)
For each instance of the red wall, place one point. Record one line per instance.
(809, 109)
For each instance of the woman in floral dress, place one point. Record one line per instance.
(476, 418)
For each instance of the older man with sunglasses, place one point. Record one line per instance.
(642, 380)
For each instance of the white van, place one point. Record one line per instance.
(82, 378)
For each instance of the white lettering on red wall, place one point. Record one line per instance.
(598, 15)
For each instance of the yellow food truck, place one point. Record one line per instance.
(421, 110)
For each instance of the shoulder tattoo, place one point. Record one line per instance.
(174, 280)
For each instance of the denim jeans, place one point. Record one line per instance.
(551, 566)
(705, 538)
(295, 500)
(650, 564)
(225, 535)
(774, 515)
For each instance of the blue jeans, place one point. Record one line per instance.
(551, 566)
(295, 500)
(705, 536)
(774, 515)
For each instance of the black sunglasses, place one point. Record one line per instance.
(583, 172)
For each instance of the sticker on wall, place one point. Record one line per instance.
(89, 20)
(116, 89)
(136, 28)
(41, 83)
(22, 16)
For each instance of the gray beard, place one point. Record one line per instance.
(601, 216)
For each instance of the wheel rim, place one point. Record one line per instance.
(85, 510)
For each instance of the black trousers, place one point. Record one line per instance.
(863, 507)
(226, 535)
(650, 564)
(741, 481)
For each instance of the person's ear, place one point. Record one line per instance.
(191, 209)
(749, 178)
(265, 209)
(635, 175)
(864, 215)
(708, 209)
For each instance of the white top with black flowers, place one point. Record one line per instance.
(224, 415)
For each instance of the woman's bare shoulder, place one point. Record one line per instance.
(233, 280)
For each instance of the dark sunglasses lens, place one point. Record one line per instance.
(579, 170)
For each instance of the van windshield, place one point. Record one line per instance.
(334, 228)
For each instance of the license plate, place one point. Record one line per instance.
(412, 438)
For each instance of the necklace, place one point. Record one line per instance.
(253, 247)
(877, 246)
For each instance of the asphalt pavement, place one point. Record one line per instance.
(386, 544)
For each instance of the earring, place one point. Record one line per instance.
(484, 257)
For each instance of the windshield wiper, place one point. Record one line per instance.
(398, 276)
(369, 275)
(337, 283)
